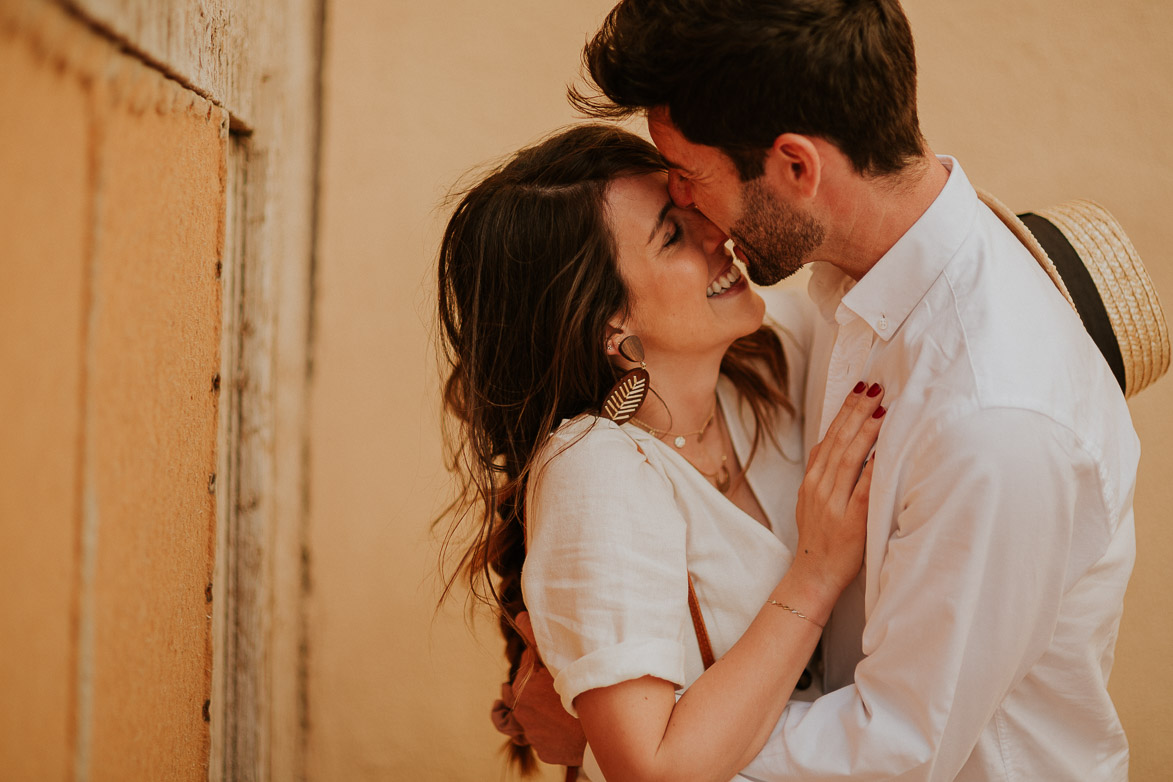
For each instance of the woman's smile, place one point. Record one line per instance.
(730, 280)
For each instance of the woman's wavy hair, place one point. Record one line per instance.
(528, 279)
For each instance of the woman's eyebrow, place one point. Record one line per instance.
(660, 220)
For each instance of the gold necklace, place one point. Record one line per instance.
(719, 478)
(679, 438)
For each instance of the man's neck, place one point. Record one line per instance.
(867, 216)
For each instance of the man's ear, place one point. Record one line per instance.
(795, 165)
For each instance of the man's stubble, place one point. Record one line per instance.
(776, 238)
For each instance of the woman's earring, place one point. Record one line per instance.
(629, 393)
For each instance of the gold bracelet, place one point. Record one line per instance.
(797, 613)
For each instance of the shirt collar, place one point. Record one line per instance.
(827, 287)
(885, 296)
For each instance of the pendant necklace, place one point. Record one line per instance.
(679, 438)
(719, 478)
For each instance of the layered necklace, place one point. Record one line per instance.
(678, 438)
(720, 478)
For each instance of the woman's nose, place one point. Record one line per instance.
(679, 190)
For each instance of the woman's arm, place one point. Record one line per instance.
(637, 729)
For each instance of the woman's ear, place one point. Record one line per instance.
(794, 165)
(611, 342)
(613, 336)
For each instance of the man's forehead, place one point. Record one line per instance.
(669, 140)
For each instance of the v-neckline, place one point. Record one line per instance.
(727, 408)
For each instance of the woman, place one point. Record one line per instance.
(548, 268)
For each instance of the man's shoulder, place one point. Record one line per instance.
(995, 334)
(1023, 343)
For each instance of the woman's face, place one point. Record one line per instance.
(688, 299)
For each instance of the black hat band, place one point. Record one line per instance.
(1082, 288)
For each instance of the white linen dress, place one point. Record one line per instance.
(617, 520)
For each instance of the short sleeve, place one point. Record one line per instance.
(605, 578)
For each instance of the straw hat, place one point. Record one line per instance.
(1090, 259)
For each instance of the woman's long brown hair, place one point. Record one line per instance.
(527, 281)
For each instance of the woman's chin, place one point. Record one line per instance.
(749, 316)
(755, 305)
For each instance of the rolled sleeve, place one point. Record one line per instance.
(618, 663)
(605, 577)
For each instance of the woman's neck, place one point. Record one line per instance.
(683, 393)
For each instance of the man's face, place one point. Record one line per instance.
(772, 238)
(698, 176)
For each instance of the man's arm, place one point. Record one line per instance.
(978, 559)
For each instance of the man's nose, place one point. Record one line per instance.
(679, 190)
(714, 237)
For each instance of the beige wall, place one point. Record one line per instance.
(416, 93)
(1042, 101)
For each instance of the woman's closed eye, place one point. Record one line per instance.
(674, 234)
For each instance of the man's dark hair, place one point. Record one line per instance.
(736, 74)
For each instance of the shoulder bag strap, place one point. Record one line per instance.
(698, 624)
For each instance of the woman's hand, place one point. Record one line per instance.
(833, 499)
(556, 737)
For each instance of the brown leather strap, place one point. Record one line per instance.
(571, 773)
(698, 624)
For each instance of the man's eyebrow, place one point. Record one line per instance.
(660, 220)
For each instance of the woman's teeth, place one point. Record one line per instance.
(724, 282)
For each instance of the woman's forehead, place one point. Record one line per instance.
(637, 205)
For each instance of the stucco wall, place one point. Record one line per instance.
(45, 150)
(112, 208)
(415, 94)
(1042, 101)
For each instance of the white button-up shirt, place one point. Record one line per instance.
(1000, 529)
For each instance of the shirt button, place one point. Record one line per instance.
(882, 323)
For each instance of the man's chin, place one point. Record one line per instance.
(763, 271)
(769, 273)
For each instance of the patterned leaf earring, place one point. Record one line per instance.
(629, 393)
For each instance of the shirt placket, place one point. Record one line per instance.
(848, 360)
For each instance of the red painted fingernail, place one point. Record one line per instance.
(859, 387)
(874, 390)
(879, 412)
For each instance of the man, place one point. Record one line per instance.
(978, 642)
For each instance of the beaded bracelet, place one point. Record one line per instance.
(797, 613)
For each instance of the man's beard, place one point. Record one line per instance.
(776, 238)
